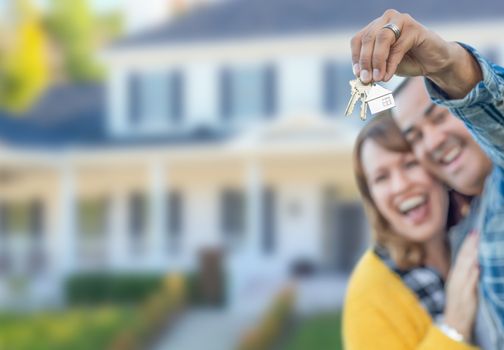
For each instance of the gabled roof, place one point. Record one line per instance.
(262, 18)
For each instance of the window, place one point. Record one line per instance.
(92, 217)
(22, 219)
(17, 220)
(37, 216)
(233, 216)
(248, 92)
(156, 98)
(22, 228)
(175, 220)
(336, 90)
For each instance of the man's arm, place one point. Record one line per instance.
(377, 55)
(457, 76)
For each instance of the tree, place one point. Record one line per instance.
(71, 24)
(23, 64)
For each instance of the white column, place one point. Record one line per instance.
(119, 247)
(156, 240)
(243, 268)
(254, 207)
(66, 242)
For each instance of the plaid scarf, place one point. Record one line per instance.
(424, 282)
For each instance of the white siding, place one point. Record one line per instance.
(201, 94)
(300, 85)
(117, 102)
(298, 220)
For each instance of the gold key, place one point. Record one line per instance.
(355, 96)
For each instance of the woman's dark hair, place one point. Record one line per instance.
(383, 130)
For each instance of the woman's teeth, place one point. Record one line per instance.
(411, 203)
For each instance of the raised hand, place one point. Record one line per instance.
(379, 52)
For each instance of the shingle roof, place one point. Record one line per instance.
(262, 18)
(70, 113)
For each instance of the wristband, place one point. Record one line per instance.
(451, 332)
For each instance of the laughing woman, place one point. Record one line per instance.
(397, 297)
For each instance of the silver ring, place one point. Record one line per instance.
(395, 29)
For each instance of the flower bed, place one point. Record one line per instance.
(272, 326)
(117, 327)
(72, 329)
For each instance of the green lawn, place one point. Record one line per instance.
(321, 332)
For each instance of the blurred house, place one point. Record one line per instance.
(221, 131)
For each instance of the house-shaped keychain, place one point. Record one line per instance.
(379, 99)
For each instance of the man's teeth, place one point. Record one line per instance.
(448, 157)
(411, 203)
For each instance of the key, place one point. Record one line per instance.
(355, 96)
(359, 92)
(379, 99)
(372, 95)
(363, 93)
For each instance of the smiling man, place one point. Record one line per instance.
(441, 142)
(445, 147)
(459, 79)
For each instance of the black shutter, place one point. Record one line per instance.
(268, 225)
(232, 212)
(226, 93)
(330, 87)
(270, 90)
(176, 90)
(134, 98)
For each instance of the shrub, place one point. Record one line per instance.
(273, 324)
(100, 288)
(155, 313)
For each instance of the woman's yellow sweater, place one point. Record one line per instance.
(381, 312)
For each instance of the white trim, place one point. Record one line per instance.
(157, 190)
(253, 181)
(118, 237)
(66, 245)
